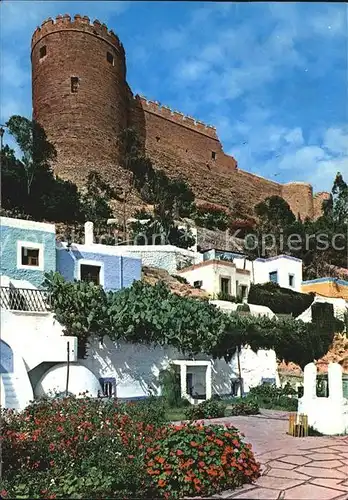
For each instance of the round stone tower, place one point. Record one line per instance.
(80, 94)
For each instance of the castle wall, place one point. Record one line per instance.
(299, 195)
(183, 149)
(83, 125)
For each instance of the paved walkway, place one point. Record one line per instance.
(311, 468)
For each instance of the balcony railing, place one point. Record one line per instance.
(24, 299)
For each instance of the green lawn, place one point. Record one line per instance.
(174, 414)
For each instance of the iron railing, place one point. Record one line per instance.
(24, 299)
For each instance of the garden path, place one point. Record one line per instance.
(311, 468)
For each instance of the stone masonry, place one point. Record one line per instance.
(82, 99)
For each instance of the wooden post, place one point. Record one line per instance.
(67, 369)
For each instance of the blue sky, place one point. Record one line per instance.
(272, 77)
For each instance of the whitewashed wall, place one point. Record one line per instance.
(136, 368)
(211, 273)
(284, 265)
(166, 257)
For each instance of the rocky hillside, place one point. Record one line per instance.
(153, 275)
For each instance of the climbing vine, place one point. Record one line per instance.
(152, 314)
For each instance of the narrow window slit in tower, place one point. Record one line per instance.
(74, 84)
(43, 51)
(110, 58)
(213, 155)
(157, 138)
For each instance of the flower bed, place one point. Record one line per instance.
(85, 448)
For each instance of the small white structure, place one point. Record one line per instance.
(80, 380)
(218, 276)
(283, 269)
(327, 415)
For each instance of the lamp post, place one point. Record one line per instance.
(2, 131)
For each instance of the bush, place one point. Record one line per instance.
(272, 397)
(212, 217)
(226, 296)
(149, 411)
(243, 308)
(170, 385)
(181, 279)
(207, 409)
(280, 300)
(244, 408)
(197, 459)
(89, 448)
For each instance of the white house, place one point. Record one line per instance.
(218, 277)
(283, 269)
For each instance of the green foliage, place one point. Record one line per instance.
(29, 185)
(81, 307)
(210, 408)
(273, 397)
(170, 385)
(182, 279)
(280, 300)
(244, 408)
(96, 197)
(243, 308)
(153, 315)
(211, 216)
(226, 296)
(149, 230)
(320, 243)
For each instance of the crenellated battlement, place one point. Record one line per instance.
(78, 23)
(159, 109)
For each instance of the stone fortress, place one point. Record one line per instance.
(82, 99)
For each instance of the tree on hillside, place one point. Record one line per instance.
(28, 184)
(96, 197)
(37, 151)
(274, 221)
(336, 208)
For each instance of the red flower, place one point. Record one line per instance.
(179, 452)
(161, 483)
(3, 493)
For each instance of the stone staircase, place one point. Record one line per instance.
(9, 382)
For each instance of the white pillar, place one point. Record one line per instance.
(183, 371)
(208, 389)
(335, 382)
(89, 238)
(310, 381)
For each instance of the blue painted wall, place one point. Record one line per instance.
(119, 272)
(6, 358)
(8, 253)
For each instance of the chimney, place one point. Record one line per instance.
(89, 238)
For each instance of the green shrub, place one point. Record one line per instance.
(181, 279)
(280, 300)
(191, 460)
(244, 408)
(151, 410)
(169, 380)
(226, 296)
(207, 409)
(243, 308)
(272, 397)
